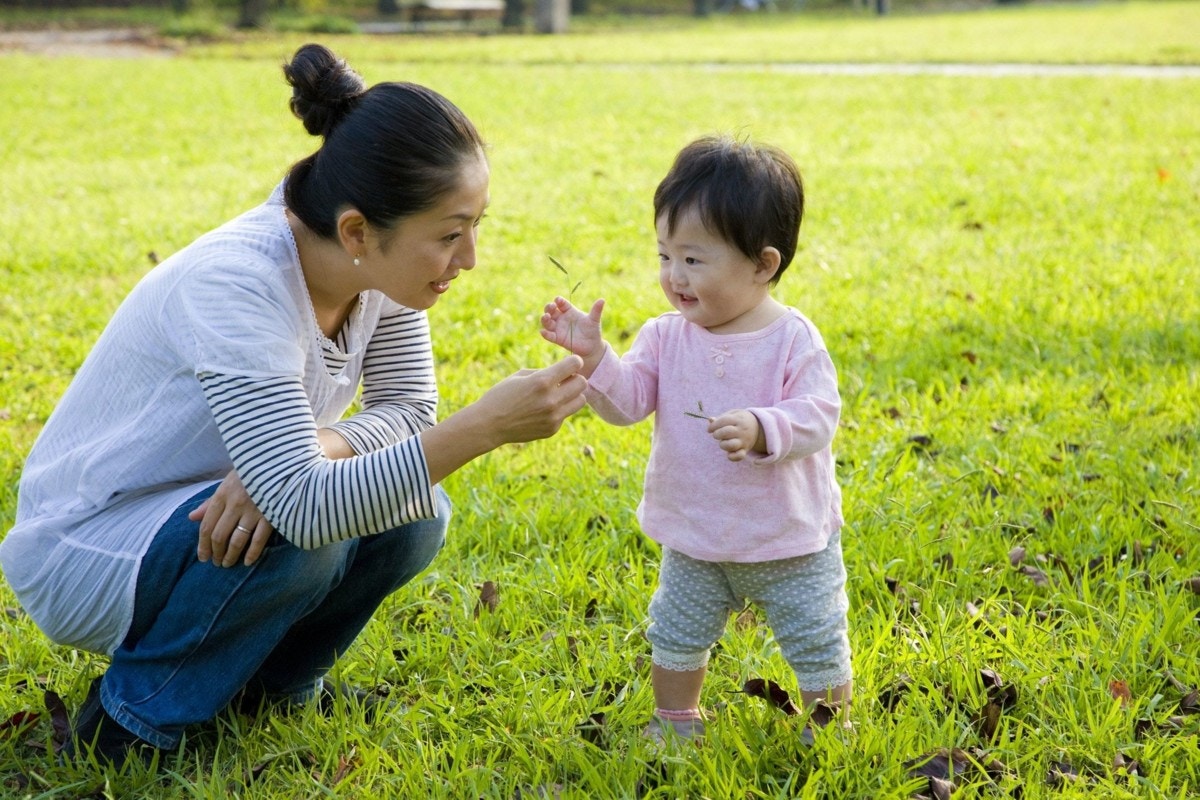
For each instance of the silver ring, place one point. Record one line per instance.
(242, 528)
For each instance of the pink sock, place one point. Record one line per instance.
(683, 715)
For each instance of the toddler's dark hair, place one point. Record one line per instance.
(750, 195)
(390, 151)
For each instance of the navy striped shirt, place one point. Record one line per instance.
(268, 428)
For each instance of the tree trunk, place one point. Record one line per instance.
(514, 14)
(252, 13)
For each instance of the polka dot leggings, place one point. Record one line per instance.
(804, 599)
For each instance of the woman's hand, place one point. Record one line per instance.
(230, 525)
(566, 326)
(532, 404)
(738, 433)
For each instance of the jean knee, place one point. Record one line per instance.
(394, 557)
(307, 571)
(428, 536)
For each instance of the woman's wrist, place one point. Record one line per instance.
(456, 440)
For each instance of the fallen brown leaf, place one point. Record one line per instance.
(1061, 773)
(745, 621)
(18, 722)
(60, 720)
(489, 597)
(772, 692)
(346, 763)
(1038, 577)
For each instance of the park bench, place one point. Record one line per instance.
(464, 11)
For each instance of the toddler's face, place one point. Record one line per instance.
(709, 282)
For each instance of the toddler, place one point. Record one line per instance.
(740, 490)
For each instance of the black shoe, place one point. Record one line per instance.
(95, 734)
(251, 703)
(373, 703)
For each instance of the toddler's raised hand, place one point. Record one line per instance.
(571, 329)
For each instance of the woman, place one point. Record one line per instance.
(196, 506)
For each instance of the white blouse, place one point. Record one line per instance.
(214, 362)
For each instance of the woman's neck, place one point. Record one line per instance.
(325, 276)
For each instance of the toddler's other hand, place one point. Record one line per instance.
(737, 433)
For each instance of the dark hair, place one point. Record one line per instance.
(390, 151)
(749, 194)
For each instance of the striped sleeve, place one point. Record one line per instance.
(268, 428)
(399, 394)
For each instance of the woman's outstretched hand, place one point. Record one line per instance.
(231, 526)
(531, 404)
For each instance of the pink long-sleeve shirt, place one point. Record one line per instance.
(779, 505)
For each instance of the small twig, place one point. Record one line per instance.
(571, 297)
(694, 415)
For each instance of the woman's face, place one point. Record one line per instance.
(414, 263)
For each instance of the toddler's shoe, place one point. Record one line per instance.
(660, 730)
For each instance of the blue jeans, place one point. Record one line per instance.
(201, 634)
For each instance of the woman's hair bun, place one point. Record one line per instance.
(324, 88)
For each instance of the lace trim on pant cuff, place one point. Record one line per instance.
(680, 662)
(820, 681)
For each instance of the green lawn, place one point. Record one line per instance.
(1004, 269)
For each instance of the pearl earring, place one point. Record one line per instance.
(356, 261)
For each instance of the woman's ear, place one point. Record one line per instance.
(352, 232)
(768, 264)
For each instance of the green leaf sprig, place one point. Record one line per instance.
(571, 297)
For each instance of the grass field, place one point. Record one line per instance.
(1005, 271)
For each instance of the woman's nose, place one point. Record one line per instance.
(464, 257)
